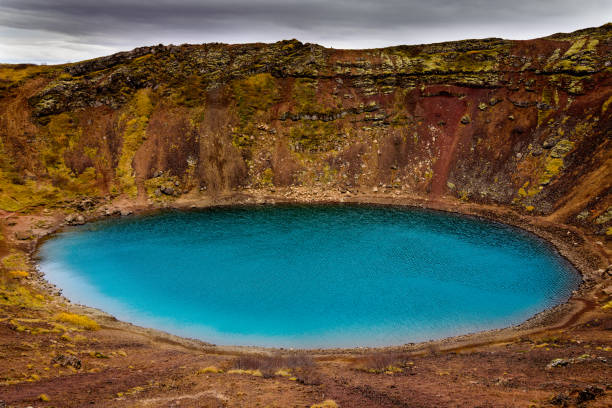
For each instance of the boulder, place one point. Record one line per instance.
(74, 219)
(67, 360)
(23, 235)
(557, 362)
(549, 143)
(561, 149)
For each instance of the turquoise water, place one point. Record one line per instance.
(309, 276)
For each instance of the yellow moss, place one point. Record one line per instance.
(283, 373)
(253, 95)
(141, 59)
(592, 45)
(13, 75)
(607, 305)
(22, 197)
(267, 177)
(605, 105)
(529, 207)
(325, 404)
(255, 373)
(77, 320)
(16, 260)
(304, 94)
(474, 61)
(576, 46)
(44, 398)
(552, 167)
(135, 122)
(18, 274)
(20, 296)
(392, 370)
(257, 92)
(209, 369)
(313, 136)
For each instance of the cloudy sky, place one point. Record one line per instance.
(55, 31)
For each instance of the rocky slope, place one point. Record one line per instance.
(516, 123)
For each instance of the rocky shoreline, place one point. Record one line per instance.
(580, 256)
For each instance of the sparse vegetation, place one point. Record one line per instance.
(81, 321)
(383, 362)
(325, 404)
(269, 366)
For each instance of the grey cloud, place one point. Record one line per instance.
(70, 25)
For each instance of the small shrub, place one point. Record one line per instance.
(389, 363)
(209, 369)
(269, 366)
(81, 321)
(307, 376)
(255, 373)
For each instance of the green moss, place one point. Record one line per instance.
(466, 62)
(61, 133)
(13, 75)
(20, 296)
(552, 167)
(253, 96)
(575, 47)
(134, 121)
(255, 93)
(191, 92)
(604, 106)
(267, 177)
(553, 162)
(580, 58)
(562, 148)
(16, 260)
(304, 94)
(313, 136)
(26, 196)
(328, 175)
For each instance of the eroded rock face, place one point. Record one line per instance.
(516, 123)
(74, 219)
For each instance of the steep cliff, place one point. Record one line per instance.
(525, 124)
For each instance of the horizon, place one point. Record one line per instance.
(293, 39)
(66, 31)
